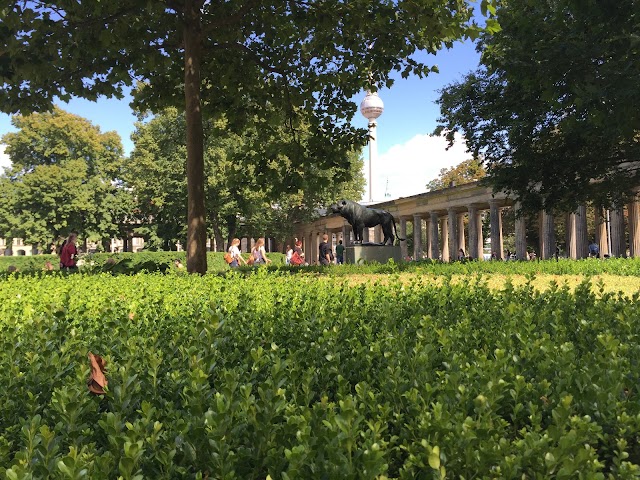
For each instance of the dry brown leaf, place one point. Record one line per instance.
(97, 380)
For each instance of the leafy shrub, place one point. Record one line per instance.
(122, 263)
(307, 377)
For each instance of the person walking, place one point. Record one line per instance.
(234, 251)
(259, 253)
(325, 253)
(289, 253)
(340, 253)
(297, 258)
(69, 254)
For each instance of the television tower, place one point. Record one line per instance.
(371, 108)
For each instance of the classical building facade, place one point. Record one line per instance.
(17, 247)
(443, 215)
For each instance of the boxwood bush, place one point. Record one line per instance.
(278, 376)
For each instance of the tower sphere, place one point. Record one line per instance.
(372, 106)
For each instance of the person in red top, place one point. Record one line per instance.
(69, 254)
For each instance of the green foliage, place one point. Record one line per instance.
(62, 179)
(122, 263)
(296, 377)
(465, 172)
(128, 263)
(255, 183)
(552, 108)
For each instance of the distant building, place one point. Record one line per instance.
(17, 248)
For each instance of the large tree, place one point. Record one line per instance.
(554, 107)
(249, 188)
(235, 56)
(63, 178)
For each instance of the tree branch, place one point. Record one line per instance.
(253, 55)
(231, 19)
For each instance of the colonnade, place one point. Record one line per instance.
(446, 233)
(247, 243)
(452, 219)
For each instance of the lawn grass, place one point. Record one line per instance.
(627, 285)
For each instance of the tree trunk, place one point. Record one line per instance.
(217, 236)
(196, 228)
(232, 226)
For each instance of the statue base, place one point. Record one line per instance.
(372, 252)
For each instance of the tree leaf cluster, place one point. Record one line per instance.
(552, 110)
(256, 184)
(63, 177)
(464, 172)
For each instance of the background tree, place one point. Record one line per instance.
(8, 220)
(553, 110)
(236, 57)
(464, 172)
(249, 189)
(62, 179)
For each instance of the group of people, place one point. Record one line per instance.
(295, 255)
(257, 256)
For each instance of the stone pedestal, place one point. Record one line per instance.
(355, 254)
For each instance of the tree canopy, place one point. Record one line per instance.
(62, 178)
(236, 57)
(464, 172)
(553, 108)
(248, 190)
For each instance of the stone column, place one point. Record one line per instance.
(461, 239)
(365, 235)
(521, 235)
(618, 240)
(312, 254)
(444, 228)
(433, 235)
(547, 236)
(570, 235)
(346, 235)
(403, 234)
(601, 231)
(452, 223)
(473, 232)
(428, 247)
(480, 246)
(496, 230)
(377, 234)
(417, 237)
(582, 236)
(633, 210)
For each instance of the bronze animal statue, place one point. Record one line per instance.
(360, 217)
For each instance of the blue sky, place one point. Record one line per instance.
(407, 156)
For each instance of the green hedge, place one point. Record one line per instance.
(127, 263)
(123, 263)
(286, 376)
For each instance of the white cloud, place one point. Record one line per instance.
(405, 169)
(5, 161)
